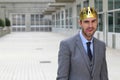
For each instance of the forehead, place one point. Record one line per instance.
(89, 19)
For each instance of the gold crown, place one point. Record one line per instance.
(88, 13)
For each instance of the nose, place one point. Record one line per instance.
(90, 24)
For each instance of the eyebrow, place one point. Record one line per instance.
(92, 20)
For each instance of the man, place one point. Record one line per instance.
(82, 57)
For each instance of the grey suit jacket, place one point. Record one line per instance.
(74, 64)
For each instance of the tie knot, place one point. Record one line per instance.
(88, 43)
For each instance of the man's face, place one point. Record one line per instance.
(89, 27)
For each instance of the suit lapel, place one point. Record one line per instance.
(82, 51)
(96, 54)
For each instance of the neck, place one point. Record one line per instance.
(87, 37)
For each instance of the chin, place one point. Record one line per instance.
(89, 35)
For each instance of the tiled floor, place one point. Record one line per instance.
(33, 56)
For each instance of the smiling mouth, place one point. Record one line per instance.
(89, 30)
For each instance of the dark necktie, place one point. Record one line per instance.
(89, 51)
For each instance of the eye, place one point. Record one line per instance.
(86, 21)
(94, 21)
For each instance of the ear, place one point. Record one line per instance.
(80, 22)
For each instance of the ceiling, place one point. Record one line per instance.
(24, 1)
(65, 1)
(40, 6)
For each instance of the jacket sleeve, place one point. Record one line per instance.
(63, 62)
(104, 71)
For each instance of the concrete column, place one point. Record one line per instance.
(74, 17)
(105, 24)
(27, 23)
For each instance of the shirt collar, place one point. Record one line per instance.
(84, 40)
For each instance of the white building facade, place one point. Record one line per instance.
(29, 16)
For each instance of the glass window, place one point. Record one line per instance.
(100, 22)
(99, 5)
(96, 4)
(62, 23)
(70, 12)
(110, 4)
(32, 19)
(23, 19)
(18, 19)
(59, 16)
(62, 13)
(117, 4)
(37, 19)
(70, 18)
(113, 4)
(70, 22)
(66, 18)
(59, 19)
(56, 21)
(53, 20)
(110, 22)
(66, 12)
(62, 17)
(78, 13)
(117, 21)
(86, 3)
(14, 19)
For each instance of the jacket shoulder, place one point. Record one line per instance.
(100, 42)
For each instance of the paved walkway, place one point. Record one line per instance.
(33, 56)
